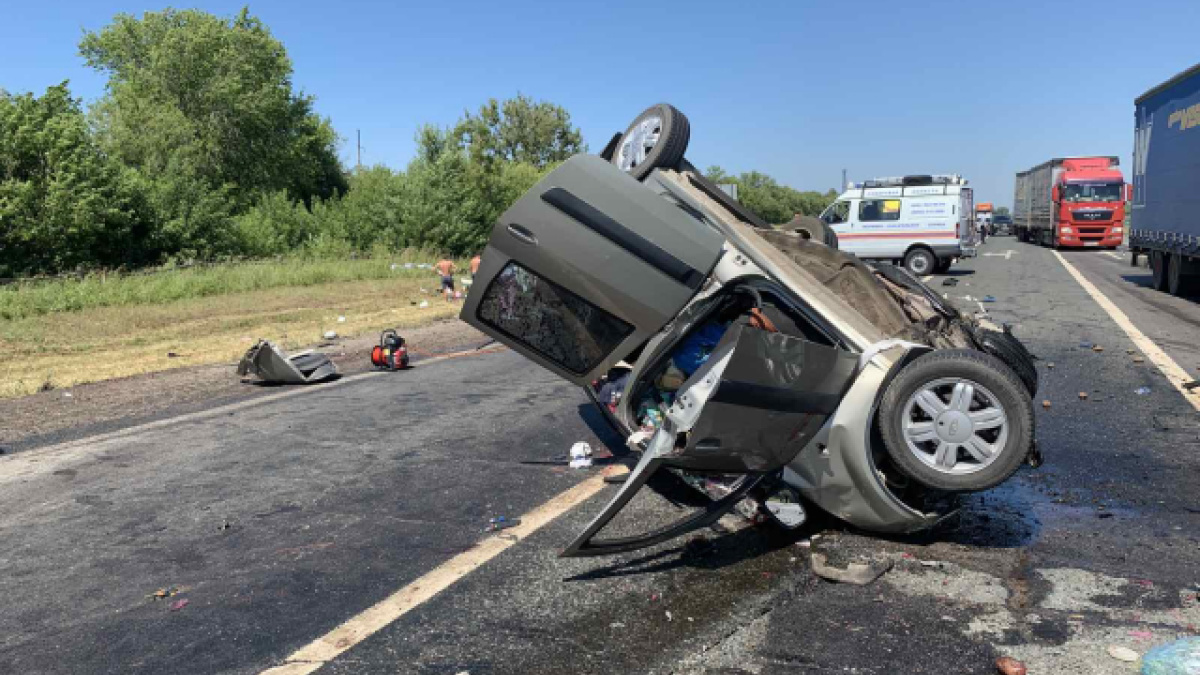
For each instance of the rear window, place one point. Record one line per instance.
(550, 320)
(879, 209)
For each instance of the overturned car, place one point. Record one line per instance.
(763, 366)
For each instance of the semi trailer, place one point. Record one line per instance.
(1165, 220)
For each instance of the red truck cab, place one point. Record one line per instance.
(1089, 203)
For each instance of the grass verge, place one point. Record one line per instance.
(134, 334)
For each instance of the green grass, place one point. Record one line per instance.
(37, 298)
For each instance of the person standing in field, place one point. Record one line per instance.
(445, 267)
(475, 267)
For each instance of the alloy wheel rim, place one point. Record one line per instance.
(638, 143)
(955, 426)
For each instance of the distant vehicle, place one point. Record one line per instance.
(1002, 225)
(1166, 174)
(922, 222)
(983, 215)
(1071, 202)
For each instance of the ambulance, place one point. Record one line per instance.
(921, 222)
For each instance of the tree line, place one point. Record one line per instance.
(201, 148)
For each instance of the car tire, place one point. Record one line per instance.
(941, 438)
(656, 139)
(920, 262)
(1158, 270)
(1013, 353)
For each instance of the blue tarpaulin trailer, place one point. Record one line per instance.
(1165, 224)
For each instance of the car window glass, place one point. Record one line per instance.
(552, 321)
(879, 209)
(838, 212)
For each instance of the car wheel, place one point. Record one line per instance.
(920, 261)
(1158, 270)
(656, 139)
(957, 420)
(1013, 353)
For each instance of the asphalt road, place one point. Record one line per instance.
(280, 519)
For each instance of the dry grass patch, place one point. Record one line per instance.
(62, 349)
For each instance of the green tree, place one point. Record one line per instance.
(1002, 211)
(519, 130)
(773, 202)
(63, 202)
(203, 108)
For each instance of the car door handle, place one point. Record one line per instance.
(523, 235)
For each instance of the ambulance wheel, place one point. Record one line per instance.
(957, 420)
(656, 139)
(920, 261)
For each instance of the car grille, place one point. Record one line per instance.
(1091, 216)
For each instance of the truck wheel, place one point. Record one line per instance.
(1158, 270)
(957, 420)
(656, 139)
(1178, 283)
(920, 261)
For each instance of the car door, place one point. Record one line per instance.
(759, 399)
(586, 266)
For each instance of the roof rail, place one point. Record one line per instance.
(914, 180)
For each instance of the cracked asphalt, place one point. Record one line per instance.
(281, 519)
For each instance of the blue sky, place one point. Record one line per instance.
(799, 90)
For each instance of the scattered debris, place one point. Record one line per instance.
(988, 298)
(341, 319)
(1142, 391)
(1139, 359)
(1046, 404)
(179, 604)
(271, 364)
(1010, 666)
(1085, 345)
(859, 574)
(163, 593)
(1050, 365)
(1130, 351)
(1097, 348)
(1180, 656)
(424, 304)
(1141, 634)
(1123, 653)
(1191, 385)
(172, 355)
(330, 334)
(950, 282)
(616, 624)
(1083, 396)
(669, 617)
(581, 455)
(67, 394)
(501, 523)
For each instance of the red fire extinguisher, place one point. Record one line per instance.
(391, 352)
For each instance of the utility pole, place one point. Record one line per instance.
(843, 185)
(358, 162)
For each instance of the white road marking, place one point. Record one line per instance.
(41, 457)
(327, 647)
(1007, 255)
(1166, 365)
(1114, 255)
(927, 278)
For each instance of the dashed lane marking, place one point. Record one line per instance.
(317, 653)
(1166, 365)
(1114, 255)
(927, 278)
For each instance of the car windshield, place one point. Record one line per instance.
(1092, 192)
